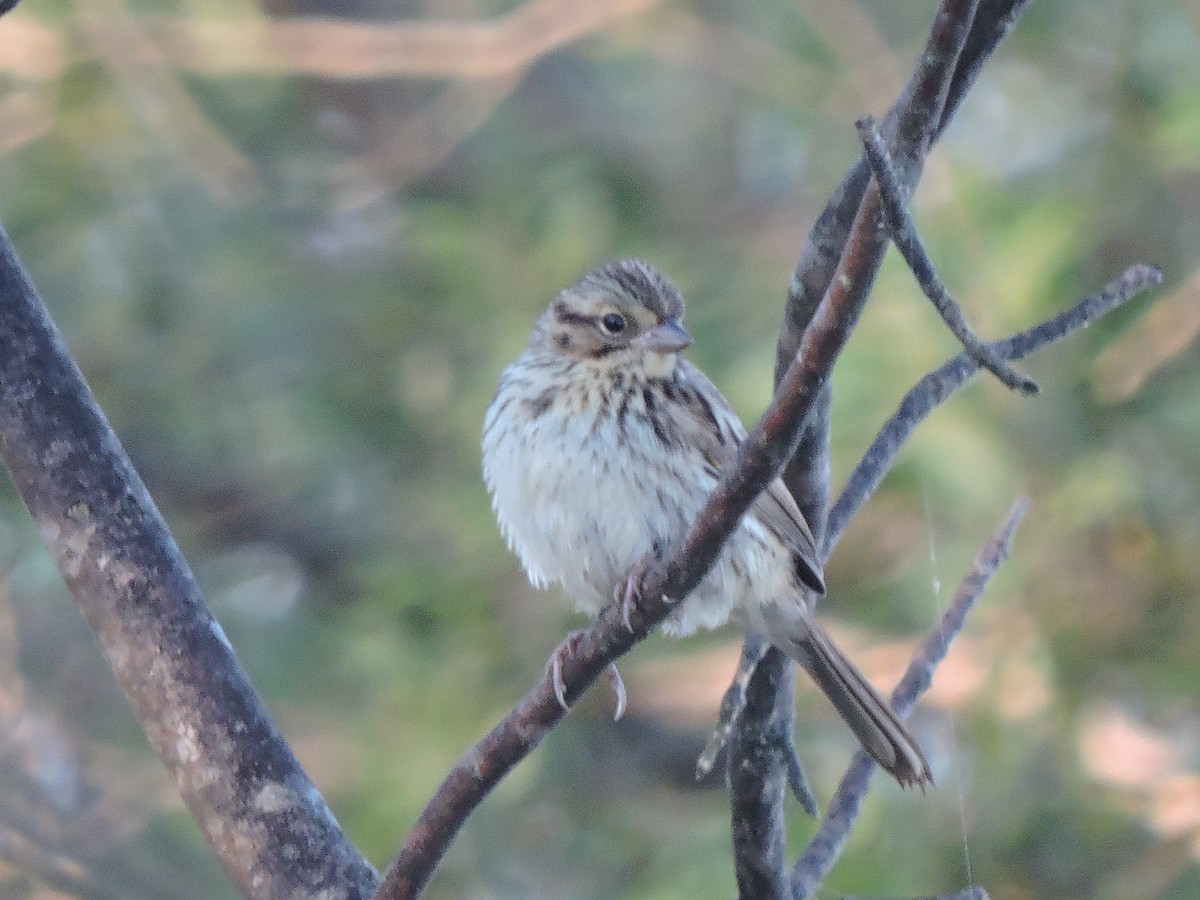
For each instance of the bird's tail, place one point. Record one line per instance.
(869, 716)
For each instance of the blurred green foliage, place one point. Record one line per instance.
(293, 296)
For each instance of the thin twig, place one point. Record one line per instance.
(734, 700)
(937, 386)
(904, 235)
(825, 847)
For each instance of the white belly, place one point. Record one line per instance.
(582, 500)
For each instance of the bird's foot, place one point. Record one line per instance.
(628, 593)
(618, 688)
(554, 669)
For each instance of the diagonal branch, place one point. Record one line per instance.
(265, 821)
(665, 585)
(904, 235)
(938, 385)
(826, 845)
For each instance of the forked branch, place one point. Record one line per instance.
(904, 235)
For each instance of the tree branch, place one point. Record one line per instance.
(913, 122)
(807, 473)
(826, 845)
(265, 821)
(751, 796)
(904, 235)
(758, 771)
(939, 384)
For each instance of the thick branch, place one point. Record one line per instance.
(264, 819)
(816, 861)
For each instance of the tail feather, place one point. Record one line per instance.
(869, 716)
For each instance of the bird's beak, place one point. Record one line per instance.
(667, 337)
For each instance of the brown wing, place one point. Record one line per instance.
(717, 432)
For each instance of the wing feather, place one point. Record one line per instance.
(714, 429)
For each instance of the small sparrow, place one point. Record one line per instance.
(599, 449)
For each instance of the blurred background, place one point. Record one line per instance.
(292, 246)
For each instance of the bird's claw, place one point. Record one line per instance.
(559, 686)
(628, 593)
(556, 667)
(618, 688)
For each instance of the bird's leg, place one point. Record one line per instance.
(626, 596)
(554, 669)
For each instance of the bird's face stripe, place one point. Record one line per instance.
(564, 315)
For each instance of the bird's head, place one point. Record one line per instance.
(623, 313)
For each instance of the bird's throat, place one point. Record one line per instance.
(659, 365)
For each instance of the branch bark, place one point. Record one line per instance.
(265, 821)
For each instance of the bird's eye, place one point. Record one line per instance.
(613, 323)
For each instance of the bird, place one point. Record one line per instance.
(599, 448)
